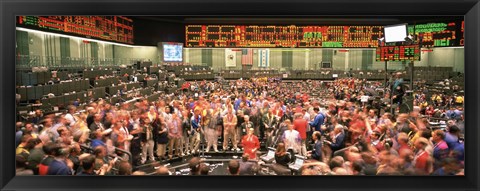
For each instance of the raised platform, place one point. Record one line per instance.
(181, 163)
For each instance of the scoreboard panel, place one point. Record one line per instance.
(281, 36)
(398, 53)
(439, 34)
(110, 28)
(433, 35)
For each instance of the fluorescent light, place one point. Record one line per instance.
(450, 47)
(75, 37)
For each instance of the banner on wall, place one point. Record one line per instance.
(264, 58)
(230, 58)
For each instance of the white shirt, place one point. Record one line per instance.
(291, 139)
(69, 117)
(306, 116)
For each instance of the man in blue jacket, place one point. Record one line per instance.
(338, 141)
(60, 165)
(318, 121)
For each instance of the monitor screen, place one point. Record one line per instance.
(172, 52)
(271, 153)
(395, 33)
(299, 161)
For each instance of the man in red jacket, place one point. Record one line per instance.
(250, 144)
(422, 161)
(300, 124)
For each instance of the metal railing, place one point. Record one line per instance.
(117, 150)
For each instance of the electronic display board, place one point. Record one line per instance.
(442, 34)
(110, 28)
(292, 36)
(398, 53)
(281, 36)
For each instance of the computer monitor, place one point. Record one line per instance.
(299, 161)
(271, 153)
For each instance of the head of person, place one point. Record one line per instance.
(240, 113)
(251, 131)
(97, 117)
(421, 143)
(233, 167)
(398, 75)
(336, 162)
(197, 111)
(100, 152)
(61, 151)
(38, 113)
(28, 128)
(167, 109)
(357, 166)
(402, 118)
(246, 118)
(47, 122)
(368, 158)
(48, 148)
(454, 130)
(146, 121)
(88, 163)
(245, 157)
(25, 139)
(75, 149)
(316, 135)
(290, 126)
(124, 168)
(194, 165)
(162, 171)
(118, 124)
(204, 169)
(385, 157)
(281, 149)
(18, 125)
(426, 133)
(338, 129)
(438, 135)
(139, 173)
(402, 138)
(298, 115)
(71, 109)
(375, 135)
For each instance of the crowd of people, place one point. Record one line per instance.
(335, 128)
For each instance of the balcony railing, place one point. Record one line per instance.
(29, 61)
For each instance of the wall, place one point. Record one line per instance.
(304, 59)
(149, 53)
(354, 58)
(47, 48)
(447, 57)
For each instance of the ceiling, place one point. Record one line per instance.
(297, 20)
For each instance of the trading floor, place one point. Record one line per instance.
(239, 99)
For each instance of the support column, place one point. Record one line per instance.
(187, 55)
(347, 54)
(386, 73)
(410, 66)
(307, 59)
